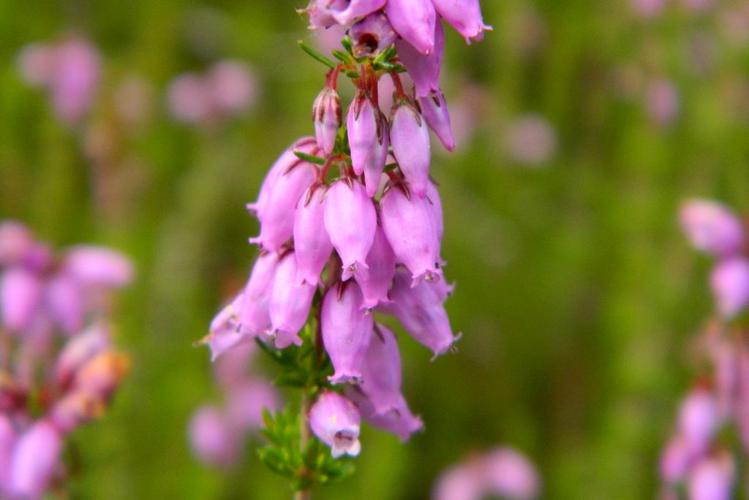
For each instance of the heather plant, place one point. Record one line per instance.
(350, 234)
(711, 435)
(59, 367)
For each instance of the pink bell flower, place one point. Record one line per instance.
(415, 21)
(290, 303)
(335, 421)
(312, 246)
(409, 136)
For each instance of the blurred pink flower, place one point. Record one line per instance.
(227, 88)
(648, 8)
(531, 140)
(662, 101)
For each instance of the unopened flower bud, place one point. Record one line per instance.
(424, 69)
(412, 232)
(415, 21)
(435, 112)
(368, 140)
(730, 285)
(375, 281)
(277, 222)
(326, 115)
(712, 228)
(312, 246)
(290, 302)
(35, 459)
(409, 136)
(351, 222)
(464, 16)
(335, 421)
(20, 293)
(346, 331)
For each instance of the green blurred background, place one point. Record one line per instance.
(576, 293)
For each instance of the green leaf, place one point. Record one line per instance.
(316, 55)
(310, 158)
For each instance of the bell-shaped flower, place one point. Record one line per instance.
(375, 281)
(435, 112)
(282, 165)
(36, 458)
(102, 374)
(290, 303)
(410, 228)
(357, 9)
(335, 421)
(712, 227)
(98, 266)
(698, 420)
(277, 223)
(65, 303)
(7, 442)
(361, 123)
(326, 115)
(712, 478)
(312, 246)
(424, 69)
(675, 460)
(382, 371)
(351, 221)
(224, 331)
(213, 439)
(421, 312)
(510, 474)
(730, 285)
(399, 421)
(409, 136)
(75, 409)
(321, 12)
(20, 295)
(372, 35)
(79, 350)
(464, 16)
(346, 331)
(246, 401)
(414, 20)
(435, 204)
(254, 317)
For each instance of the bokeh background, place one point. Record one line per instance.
(583, 125)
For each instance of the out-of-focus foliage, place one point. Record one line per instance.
(575, 294)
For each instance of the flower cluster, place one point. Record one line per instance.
(69, 70)
(58, 367)
(351, 222)
(503, 472)
(697, 454)
(216, 433)
(227, 88)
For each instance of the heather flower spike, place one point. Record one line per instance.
(335, 421)
(409, 137)
(695, 459)
(337, 206)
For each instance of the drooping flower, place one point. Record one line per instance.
(335, 421)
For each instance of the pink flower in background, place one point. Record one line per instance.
(662, 101)
(648, 8)
(531, 140)
(53, 312)
(501, 472)
(69, 70)
(228, 88)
